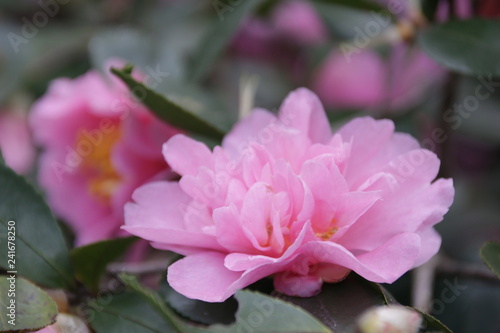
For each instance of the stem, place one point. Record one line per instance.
(448, 266)
(423, 284)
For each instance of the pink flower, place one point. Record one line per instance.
(99, 145)
(365, 80)
(15, 141)
(299, 21)
(285, 197)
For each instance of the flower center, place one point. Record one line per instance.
(326, 235)
(96, 162)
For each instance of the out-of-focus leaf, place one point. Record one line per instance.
(490, 253)
(14, 54)
(124, 313)
(230, 14)
(41, 254)
(167, 110)
(154, 299)
(468, 47)
(429, 8)
(338, 305)
(123, 43)
(199, 311)
(90, 261)
(32, 309)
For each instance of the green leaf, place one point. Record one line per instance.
(490, 253)
(33, 308)
(469, 47)
(168, 111)
(199, 311)
(90, 261)
(338, 305)
(431, 324)
(213, 43)
(41, 254)
(124, 313)
(2, 160)
(256, 312)
(357, 4)
(261, 313)
(154, 300)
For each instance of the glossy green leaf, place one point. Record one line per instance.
(490, 253)
(32, 309)
(338, 305)
(469, 47)
(90, 261)
(262, 313)
(167, 110)
(41, 254)
(124, 313)
(229, 16)
(154, 300)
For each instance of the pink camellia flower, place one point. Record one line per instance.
(284, 197)
(15, 141)
(365, 80)
(99, 145)
(299, 21)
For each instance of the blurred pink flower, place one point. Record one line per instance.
(365, 80)
(15, 141)
(279, 38)
(99, 145)
(285, 197)
(298, 21)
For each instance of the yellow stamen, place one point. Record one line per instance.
(97, 163)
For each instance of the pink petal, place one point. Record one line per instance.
(302, 110)
(297, 285)
(431, 242)
(203, 276)
(385, 264)
(175, 150)
(247, 130)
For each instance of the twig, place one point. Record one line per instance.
(448, 266)
(423, 284)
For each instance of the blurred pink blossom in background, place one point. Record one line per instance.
(366, 80)
(15, 141)
(283, 196)
(98, 146)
